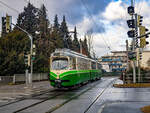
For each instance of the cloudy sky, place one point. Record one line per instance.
(106, 18)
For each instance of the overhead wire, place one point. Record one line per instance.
(90, 15)
(88, 11)
(9, 7)
(140, 8)
(15, 10)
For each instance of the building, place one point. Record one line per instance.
(115, 62)
(145, 57)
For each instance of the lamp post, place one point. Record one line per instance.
(31, 52)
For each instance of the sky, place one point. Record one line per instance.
(106, 19)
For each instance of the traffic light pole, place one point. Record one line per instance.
(133, 47)
(137, 49)
(139, 66)
(31, 52)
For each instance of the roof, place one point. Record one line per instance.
(68, 52)
(118, 51)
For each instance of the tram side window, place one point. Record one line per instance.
(82, 64)
(93, 65)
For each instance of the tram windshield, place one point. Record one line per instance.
(59, 64)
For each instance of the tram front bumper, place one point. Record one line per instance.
(58, 82)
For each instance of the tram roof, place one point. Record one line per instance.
(68, 52)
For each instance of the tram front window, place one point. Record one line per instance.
(59, 64)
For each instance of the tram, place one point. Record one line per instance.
(69, 68)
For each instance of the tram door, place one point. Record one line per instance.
(90, 70)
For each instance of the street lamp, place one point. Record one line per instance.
(31, 51)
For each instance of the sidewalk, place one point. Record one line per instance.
(125, 100)
(11, 92)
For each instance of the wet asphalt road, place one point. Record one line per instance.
(95, 97)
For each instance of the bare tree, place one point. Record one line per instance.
(89, 36)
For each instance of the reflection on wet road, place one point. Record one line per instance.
(96, 97)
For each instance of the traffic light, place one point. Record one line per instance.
(3, 25)
(139, 20)
(131, 33)
(8, 23)
(132, 55)
(140, 55)
(27, 59)
(34, 52)
(131, 10)
(147, 42)
(131, 23)
(143, 41)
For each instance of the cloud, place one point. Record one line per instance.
(90, 25)
(106, 18)
(115, 11)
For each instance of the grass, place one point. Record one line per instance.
(132, 85)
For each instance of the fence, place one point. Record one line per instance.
(145, 78)
(17, 78)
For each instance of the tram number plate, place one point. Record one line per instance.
(58, 81)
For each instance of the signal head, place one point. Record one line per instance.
(131, 10)
(131, 33)
(147, 42)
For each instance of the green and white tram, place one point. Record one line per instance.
(69, 68)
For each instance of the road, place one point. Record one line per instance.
(96, 97)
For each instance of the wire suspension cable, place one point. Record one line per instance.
(9, 7)
(90, 15)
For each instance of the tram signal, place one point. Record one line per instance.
(131, 23)
(132, 55)
(139, 20)
(131, 33)
(131, 10)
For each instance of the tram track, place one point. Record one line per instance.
(48, 98)
(25, 98)
(56, 95)
(70, 99)
(58, 105)
(97, 97)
